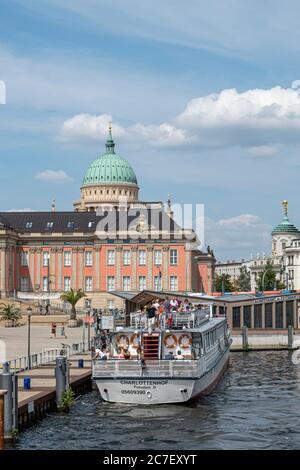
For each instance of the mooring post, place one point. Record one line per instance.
(61, 378)
(2, 394)
(8, 383)
(290, 336)
(245, 338)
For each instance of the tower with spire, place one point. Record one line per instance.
(283, 233)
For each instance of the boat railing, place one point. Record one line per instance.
(160, 368)
(180, 320)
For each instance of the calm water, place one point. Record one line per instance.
(256, 406)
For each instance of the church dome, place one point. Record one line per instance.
(109, 169)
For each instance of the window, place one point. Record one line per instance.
(49, 224)
(88, 284)
(279, 315)
(24, 284)
(174, 283)
(110, 304)
(67, 258)
(91, 224)
(110, 283)
(157, 257)
(247, 316)
(89, 258)
(126, 282)
(157, 283)
(67, 284)
(28, 225)
(46, 257)
(126, 257)
(236, 317)
(111, 257)
(24, 258)
(290, 313)
(173, 257)
(268, 316)
(45, 284)
(142, 283)
(70, 225)
(258, 316)
(142, 257)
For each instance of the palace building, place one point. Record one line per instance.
(110, 242)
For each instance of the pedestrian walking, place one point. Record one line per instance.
(53, 330)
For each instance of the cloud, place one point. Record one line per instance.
(263, 151)
(241, 235)
(21, 210)
(53, 176)
(84, 127)
(255, 119)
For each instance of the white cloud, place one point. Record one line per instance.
(83, 127)
(53, 176)
(27, 209)
(240, 235)
(256, 119)
(263, 151)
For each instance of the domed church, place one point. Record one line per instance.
(107, 179)
(112, 245)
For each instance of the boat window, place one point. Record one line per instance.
(236, 317)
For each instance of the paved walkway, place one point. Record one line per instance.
(13, 341)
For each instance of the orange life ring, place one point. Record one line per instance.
(135, 341)
(122, 341)
(185, 341)
(168, 344)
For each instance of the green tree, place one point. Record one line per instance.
(223, 282)
(244, 280)
(267, 279)
(73, 297)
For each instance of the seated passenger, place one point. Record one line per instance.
(103, 354)
(179, 355)
(169, 356)
(120, 353)
(127, 354)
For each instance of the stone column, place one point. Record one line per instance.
(263, 315)
(3, 270)
(53, 269)
(165, 273)
(59, 283)
(150, 267)
(96, 260)
(134, 285)
(74, 269)
(81, 268)
(118, 284)
(273, 315)
(18, 266)
(38, 267)
(188, 276)
(31, 268)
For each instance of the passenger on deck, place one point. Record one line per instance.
(101, 354)
(179, 355)
(120, 353)
(169, 356)
(174, 304)
(127, 354)
(151, 311)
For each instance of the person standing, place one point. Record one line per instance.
(53, 330)
(63, 331)
(151, 311)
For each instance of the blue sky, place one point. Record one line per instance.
(200, 94)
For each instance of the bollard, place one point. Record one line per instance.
(80, 363)
(2, 394)
(26, 383)
(8, 382)
(61, 378)
(245, 338)
(290, 336)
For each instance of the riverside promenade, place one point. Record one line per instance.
(40, 398)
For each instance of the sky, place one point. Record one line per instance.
(204, 98)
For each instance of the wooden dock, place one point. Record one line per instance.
(34, 403)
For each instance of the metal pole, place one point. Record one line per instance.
(89, 335)
(2, 393)
(6, 383)
(83, 336)
(245, 338)
(61, 378)
(28, 342)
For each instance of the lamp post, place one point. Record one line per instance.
(29, 310)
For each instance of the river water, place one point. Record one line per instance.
(255, 406)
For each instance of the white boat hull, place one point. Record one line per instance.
(161, 390)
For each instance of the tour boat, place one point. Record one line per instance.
(150, 376)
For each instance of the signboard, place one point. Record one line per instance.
(38, 295)
(107, 322)
(31, 407)
(88, 320)
(279, 298)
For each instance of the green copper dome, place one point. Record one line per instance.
(285, 226)
(109, 168)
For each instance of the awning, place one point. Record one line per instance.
(146, 296)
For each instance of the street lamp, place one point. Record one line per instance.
(29, 310)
